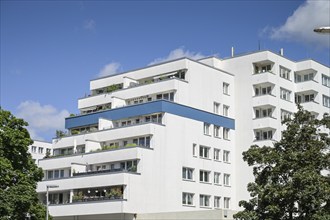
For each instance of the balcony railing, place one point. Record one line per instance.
(97, 198)
(132, 169)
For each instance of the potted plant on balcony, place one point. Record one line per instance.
(118, 194)
(110, 194)
(78, 197)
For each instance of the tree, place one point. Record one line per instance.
(18, 173)
(291, 178)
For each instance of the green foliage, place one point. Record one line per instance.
(288, 180)
(113, 88)
(78, 196)
(114, 192)
(18, 173)
(75, 132)
(131, 145)
(60, 134)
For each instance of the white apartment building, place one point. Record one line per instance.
(165, 141)
(39, 150)
(267, 88)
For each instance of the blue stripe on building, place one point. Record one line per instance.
(150, 108)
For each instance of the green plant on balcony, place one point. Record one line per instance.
(74, 132)
(109, 147)
(78, 197)
(131, 145)
(60, 134)
(116, 193)
(72, 115)
(112, 88)
(132, 168)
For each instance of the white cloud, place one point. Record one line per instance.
(42, 120)
(109, 69)
(300, 25)
(178, 53)
(89, 24)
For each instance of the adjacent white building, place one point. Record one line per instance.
(165, 141)
(39, 150)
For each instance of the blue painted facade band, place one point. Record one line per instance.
(150, 108)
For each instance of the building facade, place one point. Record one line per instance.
(39, 150)
(165, 141)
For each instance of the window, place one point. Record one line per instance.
(326, 101)
(226, 203)
(40, 150)
(204, 176)
(304, 98)
(226, 179)
(217, 201)
(206, 128)
(195, 150)
(325, 80)
(34, 149)
(263, 112)
(225, 110)
(187, 198)
(166, 96)
(217, 178)
(56, 174)
(285, 114)
(303, 77)
(204, 152)
(262, 68)
(216, 131)
(142, 141)
(61, 173)
(262, 90)
(50, 174)
(226, 133)
(285, 73)
(226, 156)
(226, 88)
(216, 154)
(285, 94)
(187, 173)
(204, 200)
(264, 135)
(48, 151)
(216, 107)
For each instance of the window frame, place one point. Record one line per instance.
(186, 197)
(188, 172)
(204, 176)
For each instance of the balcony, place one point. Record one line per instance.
(138, 90)
(264, 77)
(172, 84)
(132, 170)
(126, 153)
(265, 122)
(90, 181)
(309, 85)
(103, 135)
(311, 106)
(96, 207)
(262, 100)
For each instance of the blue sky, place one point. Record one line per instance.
(51, 49)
